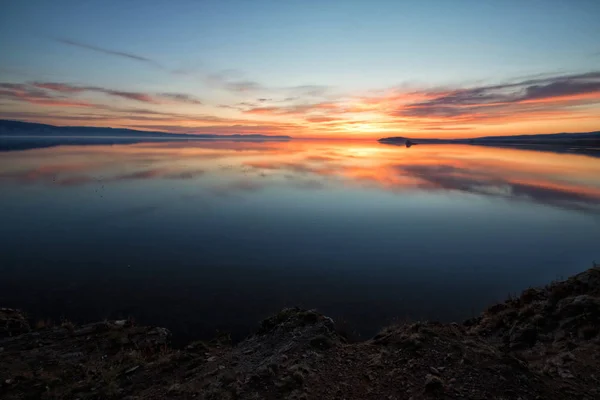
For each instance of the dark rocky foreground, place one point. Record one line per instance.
(544, 344)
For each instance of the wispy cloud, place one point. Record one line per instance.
(181, 98)
(140, 118)
(224, 128)
(58, 87)
(243, 86)
(124, 54)
(29, 94)
(55, 93)
(316, 110)
(233, 81)
(485, 101)
(299, 109)
(71, 89)
(309, 90)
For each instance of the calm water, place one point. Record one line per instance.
(199, 236)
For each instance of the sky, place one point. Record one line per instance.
(328, 69)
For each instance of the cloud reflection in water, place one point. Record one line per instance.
(223, 168)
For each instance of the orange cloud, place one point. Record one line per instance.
(542, 105)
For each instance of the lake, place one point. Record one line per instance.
(216, 235)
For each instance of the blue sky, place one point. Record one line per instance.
(351, 48)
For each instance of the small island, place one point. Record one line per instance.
(25, 129)
(18, 135)
(585, 142)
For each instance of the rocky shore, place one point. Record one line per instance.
(544, 344)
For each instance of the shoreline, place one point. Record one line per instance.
(560, 148)
(543, 344)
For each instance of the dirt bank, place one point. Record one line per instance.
(544, 344)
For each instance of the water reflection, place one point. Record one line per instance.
(228, 168)
(198, 236)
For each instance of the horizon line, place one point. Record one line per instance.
(287, 136)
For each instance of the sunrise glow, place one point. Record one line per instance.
(294, 70)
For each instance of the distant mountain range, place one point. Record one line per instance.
(19, 128)
(587, 140)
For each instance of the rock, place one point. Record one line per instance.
(375, 360)
(529, 295)
(433, 383)
(292, 318)
(523, 336)
(496, 308)
(403, 339)
(567, 356)
(151, 338)
(12, 323)
(198, 347)
(570, 307)
(227, 377)
(552, 351)
(321, 342)
(72, 356)
(174, 388)
(564, 373)
(588, 332)
(560, 335)
(132, 370)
